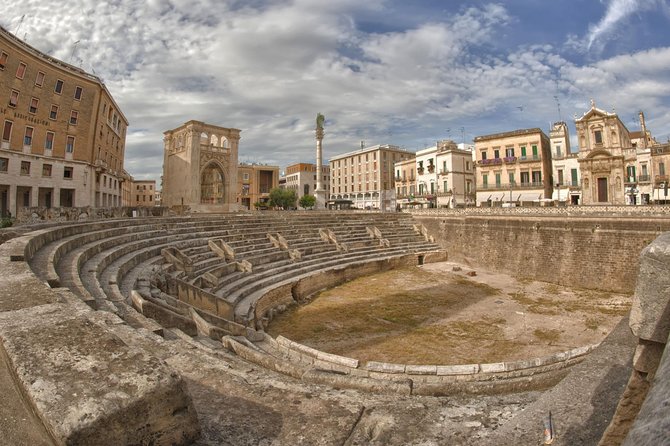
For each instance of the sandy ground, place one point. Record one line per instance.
(447, 313)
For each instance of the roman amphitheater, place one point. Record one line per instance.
(166, 329)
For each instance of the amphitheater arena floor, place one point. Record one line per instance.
(446, 313)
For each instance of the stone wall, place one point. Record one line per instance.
(585, 252)
(41, 214)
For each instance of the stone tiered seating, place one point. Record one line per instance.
(102, 263)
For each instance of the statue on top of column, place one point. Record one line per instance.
(320, 119)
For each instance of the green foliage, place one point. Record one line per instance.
(5, 222)
(307, 201)
(283, 198)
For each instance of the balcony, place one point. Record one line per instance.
(527, 159)
(660, 179)
(100, 165)
(510, 159)
(513, 186)
(444, 172)
(644, 178)
(492, 161)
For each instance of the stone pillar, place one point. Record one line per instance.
(320, 192)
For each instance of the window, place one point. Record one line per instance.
(573, 177)
(49, 141)
(598, 136)
(534, 147)
(496, 153)
(509, 152)
(21, 70)
(68, 172)
(77, 92)
(59, 86)
(13, 98)
(483, 154)
(498, 179)
(560, 176)
(537, 177)
(485, 180)
(661, 168)
(28, 137)
(7, 131)
(511, 178)
(137, 198)
(39, 79)
(46, 170)
(525, 178)
(4, 164)
(245, 176)
(34, 102)
(3, 60)
(73, 117)
(69, 146)
(523, 151)
(445, 186)
(53, 114)
(25, 167)
(558, 150)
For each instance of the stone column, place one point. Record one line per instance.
(319, 193)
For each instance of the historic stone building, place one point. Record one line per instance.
(301, 177)
(565, 165)
(605, 150)
(63, 136)
(254, 183)
(143, 193)
(366, 177)
(405, 182)
(513, 167)
(200, 167)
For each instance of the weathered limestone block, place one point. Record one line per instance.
(294, 254)
(283, 244)
(653, 423)
(210, 279)
(222, 249)
(647, 357)
(650, 313)
(88, 386)
(273, 240)
(180, 260)
(244, 266)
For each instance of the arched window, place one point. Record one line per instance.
(225, 143)
(212, 186)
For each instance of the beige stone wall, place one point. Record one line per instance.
(142, 193)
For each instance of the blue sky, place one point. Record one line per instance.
(397, 72)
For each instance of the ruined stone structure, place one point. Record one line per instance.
(200, 167)
(164, 317)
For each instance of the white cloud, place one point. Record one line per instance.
(267, 67)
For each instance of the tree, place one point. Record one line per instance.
(307, 201)
(282, 198)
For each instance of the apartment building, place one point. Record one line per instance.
(143, 193)
(513, 168)
(63, 135)
(366, 177)
(255, 181)
(301, 177)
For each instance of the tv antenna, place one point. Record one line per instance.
(558, 105)
(74, 48)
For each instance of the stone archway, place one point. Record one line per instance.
(212, 185)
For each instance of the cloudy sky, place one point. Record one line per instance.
(382, 71)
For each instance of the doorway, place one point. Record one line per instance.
(602, 190)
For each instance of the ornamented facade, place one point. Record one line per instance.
(513, 167)
(63, 136)
(200, 167)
